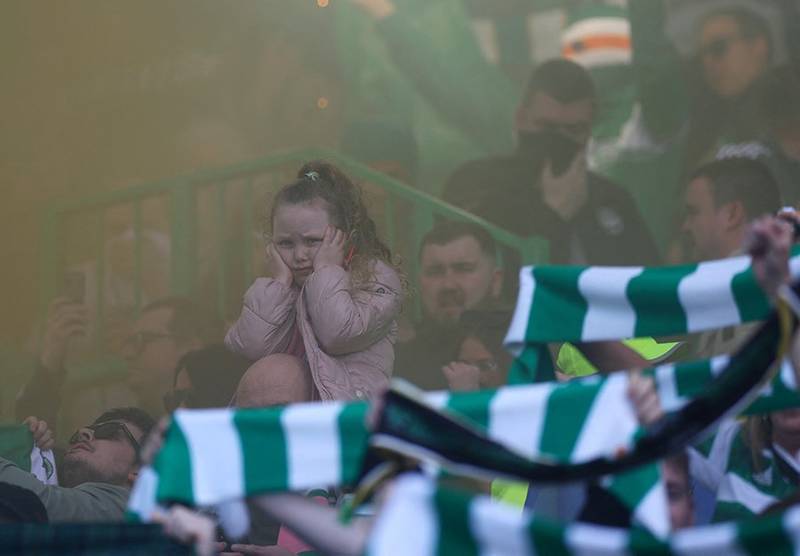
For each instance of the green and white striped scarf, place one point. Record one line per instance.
(585, 304)
(212, 456)
(16, 445)
(676, 384)
(422, 520)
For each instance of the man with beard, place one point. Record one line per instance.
(97, 472)
(458, 272)
(545, 188)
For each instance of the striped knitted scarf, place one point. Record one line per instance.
(585, 304)
(447, 522)
(304, 446)
(212, 456)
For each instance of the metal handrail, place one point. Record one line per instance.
(182, 193)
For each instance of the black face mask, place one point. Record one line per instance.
(551, 146)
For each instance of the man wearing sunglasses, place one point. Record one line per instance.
(687, 115)
(734, 50)
(98, 469)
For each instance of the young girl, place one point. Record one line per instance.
(329, 308)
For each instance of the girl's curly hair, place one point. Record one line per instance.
(346, 209)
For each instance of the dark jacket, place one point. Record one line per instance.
(607, 230)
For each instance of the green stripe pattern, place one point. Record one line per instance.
(212, 456)
(309, 445)
(217, 455)
(446, 522)
(572, 304)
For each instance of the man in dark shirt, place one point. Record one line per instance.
(458, 272)
(545, 188)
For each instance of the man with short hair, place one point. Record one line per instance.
(458, 272)
(545, 189)
(97, 472)
(164, 332)
(722, 199)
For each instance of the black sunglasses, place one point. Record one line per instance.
(110, 430)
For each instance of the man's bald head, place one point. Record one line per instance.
(275, 380)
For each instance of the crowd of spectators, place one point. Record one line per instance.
(333, 319)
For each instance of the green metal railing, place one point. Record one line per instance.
(266, 174)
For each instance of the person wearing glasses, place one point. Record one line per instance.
(693, 109)
(99, 467)
(481, 360)
(734, 51)
(165, 331)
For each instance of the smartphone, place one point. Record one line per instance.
(73, 286)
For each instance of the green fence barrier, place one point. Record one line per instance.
(213, 229)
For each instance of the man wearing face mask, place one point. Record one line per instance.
(545, 188)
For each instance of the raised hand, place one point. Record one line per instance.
(42, 435)
(462, 377)
(331, 252)
(769, 241)
(642, 394)
(567, 193)
(65, 320)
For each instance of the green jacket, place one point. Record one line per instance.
(88, 502)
